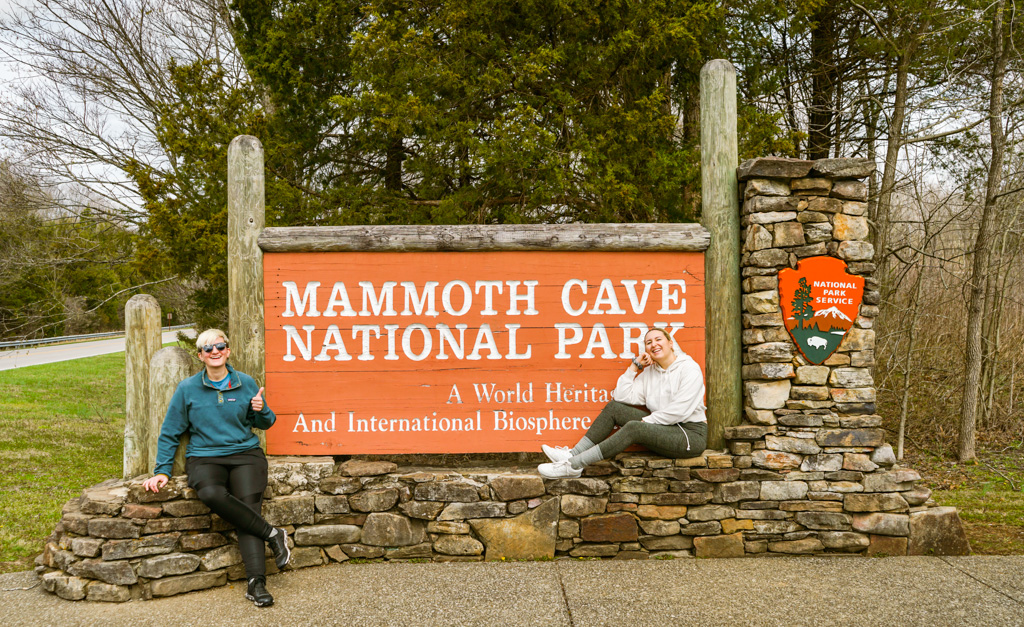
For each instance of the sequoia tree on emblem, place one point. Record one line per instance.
(820, 301)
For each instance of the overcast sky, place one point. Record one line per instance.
(6, 6)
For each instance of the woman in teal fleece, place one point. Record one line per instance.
(226, 467)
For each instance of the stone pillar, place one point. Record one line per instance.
(794, 209)
(142, 340)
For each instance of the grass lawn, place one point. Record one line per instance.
(987, 493)
(61, 430)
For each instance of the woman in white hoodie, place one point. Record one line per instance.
(659, 404)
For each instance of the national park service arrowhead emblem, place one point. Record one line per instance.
(820, 300)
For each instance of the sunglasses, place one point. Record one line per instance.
(208, 348)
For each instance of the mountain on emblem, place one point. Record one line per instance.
(820, 300)
(831, 312)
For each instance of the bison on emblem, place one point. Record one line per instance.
(817, 342)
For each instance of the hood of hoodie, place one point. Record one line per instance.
(681, 358)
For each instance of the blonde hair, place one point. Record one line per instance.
(663, 332)
(208, 336)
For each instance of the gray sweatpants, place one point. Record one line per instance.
(667, 440)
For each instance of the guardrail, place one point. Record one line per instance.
(75, 338)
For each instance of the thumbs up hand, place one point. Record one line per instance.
(257, 401)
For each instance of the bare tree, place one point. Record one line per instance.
(983, 243)
(93, 111)
(94, 86)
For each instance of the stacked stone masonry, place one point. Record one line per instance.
(118, 542)
(795, 209)
(817, 418)
(807, 473)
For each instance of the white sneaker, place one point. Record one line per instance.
(556, 453)
(559, 470)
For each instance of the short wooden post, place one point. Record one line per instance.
(170, 366)
(142, 340)
(720, 207)
(246, 219)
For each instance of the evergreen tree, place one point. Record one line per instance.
(479, 111)
(801, 303)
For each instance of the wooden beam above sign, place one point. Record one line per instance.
(476, 237)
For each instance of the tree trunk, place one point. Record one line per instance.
(991, 329)
(987, 322)
(787, 90)
(892, 151)
(838, 132)
(972, 362)
(912, 335)
(393, 164)
(821, 114)
(893, 147)
(913, 308)
(691, 137)
(871, 115)
(1013, 382)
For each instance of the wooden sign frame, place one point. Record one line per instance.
(421, 339)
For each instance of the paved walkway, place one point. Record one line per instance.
(767, 591)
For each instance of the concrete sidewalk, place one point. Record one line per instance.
(761, 591)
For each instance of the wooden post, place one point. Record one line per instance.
(169, 367)
(720, 207)
(142, 340)
(246, 219)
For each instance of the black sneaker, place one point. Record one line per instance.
(279, 545)
(257, 592)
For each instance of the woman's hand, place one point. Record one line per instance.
(154, 483)
(257, 401)
(643, 360)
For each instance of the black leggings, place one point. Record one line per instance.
(232, 487)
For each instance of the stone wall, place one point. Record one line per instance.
(808, 473)
(118, 542)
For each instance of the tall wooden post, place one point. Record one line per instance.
(169, 367)
(720, 207)
(246, 219)
(142, 339)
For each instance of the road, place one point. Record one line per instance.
(24, 357)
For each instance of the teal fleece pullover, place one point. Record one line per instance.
(219, 423)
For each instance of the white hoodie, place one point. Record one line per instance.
(673, 395)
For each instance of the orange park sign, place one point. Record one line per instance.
(820, 302)
(449, 352)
